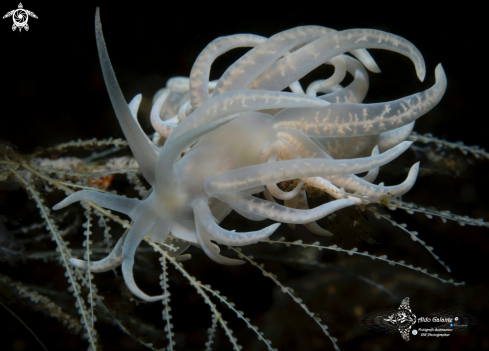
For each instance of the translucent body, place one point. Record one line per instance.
(224, 147)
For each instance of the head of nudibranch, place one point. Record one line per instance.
(249, 135)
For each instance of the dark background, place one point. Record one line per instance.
(52, 91)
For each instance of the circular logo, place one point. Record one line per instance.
(415, 332)
(20, 17)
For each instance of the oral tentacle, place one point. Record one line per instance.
(242, 73)
(281, 213)
(142, 226)
(348, 119)
(339, 64)
(257, 175)
(373, 173)
(112, 261)
(391, 138)
(211, 250)
(328, 187)
(223, 236)
(141, 146)
(356, 90)
(375, 192)
(273, 188)
(240, 101)
(199, 76)
(284, 195)
(313, 227)
(161, 127)
(112, 202)
(302, 61)
(134, 106)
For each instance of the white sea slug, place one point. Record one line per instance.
(249, 135)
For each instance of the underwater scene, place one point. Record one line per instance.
(383, 240)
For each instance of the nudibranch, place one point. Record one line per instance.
(241, 135)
